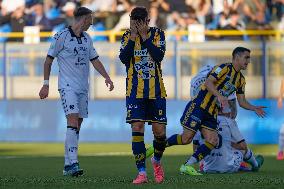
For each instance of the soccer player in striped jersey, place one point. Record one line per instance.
(280, 154)
(142, 50)
(201, 112)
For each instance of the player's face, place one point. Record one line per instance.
(244, 60)
(88, 20)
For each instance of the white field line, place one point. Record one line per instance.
(102, 154)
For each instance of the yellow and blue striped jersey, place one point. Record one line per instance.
(143, 64)
(228, 81)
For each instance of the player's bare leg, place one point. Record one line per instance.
(248, 155)
(139, 152)
(159, 144)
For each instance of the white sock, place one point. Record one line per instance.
(249, 157)
(192, 160)
(281, 140)
(66, 157)
(72, 145)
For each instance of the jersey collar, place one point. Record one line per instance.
(73, 34)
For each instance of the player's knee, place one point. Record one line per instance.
(187, 137)
(137, 127)
(242, 145)
(214, 140)
(159, 130)
(72, 120)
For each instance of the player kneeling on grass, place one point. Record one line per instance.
(224, 158)
(201, 112)
(74, 50)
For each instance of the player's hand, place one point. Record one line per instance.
(43, 93)
(223, 101)
(143, 29)
(259, 111)
(133, 29)
(109, 84)
(279, 103)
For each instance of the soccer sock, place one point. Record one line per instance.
(174, 140)
(281, 141)
(139, 151)
(66, 157)
(201, 152)
(159, 144)
(72, 144)
(249, 157)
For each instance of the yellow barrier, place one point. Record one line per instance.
(113, 35)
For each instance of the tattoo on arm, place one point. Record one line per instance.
(233, 107)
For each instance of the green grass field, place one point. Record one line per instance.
(39, 165)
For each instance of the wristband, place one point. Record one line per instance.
(46, 82)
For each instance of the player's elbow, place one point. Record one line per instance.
(124, 59)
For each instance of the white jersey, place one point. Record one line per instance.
(199, 79)
(73, 56)
(223, 158)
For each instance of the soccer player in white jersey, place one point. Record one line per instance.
(74, 50)
(227, 117)
(280, 155)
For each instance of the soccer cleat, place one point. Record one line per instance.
(280, 155)
(149, 151)
(260, 160)
(140, 179)
(188, 170)
(66, 170)
(244, 166)
(74, 170)
(158, 171)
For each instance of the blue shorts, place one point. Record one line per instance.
(194, 118)
(146, 110)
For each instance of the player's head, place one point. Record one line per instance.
(241, 57)
(84, 17)
(139, 14)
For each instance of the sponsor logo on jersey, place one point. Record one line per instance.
(141, 52)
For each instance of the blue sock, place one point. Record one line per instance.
(159, 145)
(202, 151)
(174, 140)
(139, 150)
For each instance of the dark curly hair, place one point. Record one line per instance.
(139, 13)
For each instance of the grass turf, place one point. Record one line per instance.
(31, 165)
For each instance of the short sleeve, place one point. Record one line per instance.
(57, 44)
(219, 71)
(93, 55)
(241, 87)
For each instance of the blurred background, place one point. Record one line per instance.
(198, 32)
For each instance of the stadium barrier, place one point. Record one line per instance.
(21, 68)
(33, 120)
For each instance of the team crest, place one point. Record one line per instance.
(193, 123)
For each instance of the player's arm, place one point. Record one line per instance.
(157, 50)
(246, 105)
(210, 86)
(56, 46)
(47, 68)
(101, 69)
(279, 103)
(233, 107)
(127, 47)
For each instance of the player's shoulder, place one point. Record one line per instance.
(126, 33)
(61, 33)
(155, 29)
(87, 35)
